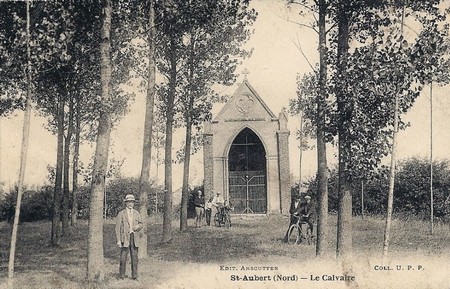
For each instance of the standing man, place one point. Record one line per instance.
(199, 203)
(208, 208)
(294, 212)
(129, 235)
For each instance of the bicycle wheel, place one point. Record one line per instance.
(217, 220)
(294, 234)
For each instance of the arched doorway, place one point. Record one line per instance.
(247, 174)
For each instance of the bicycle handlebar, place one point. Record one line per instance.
(298, 215)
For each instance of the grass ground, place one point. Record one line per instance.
(194, 259)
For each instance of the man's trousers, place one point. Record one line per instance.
(208, 217)
(134, 259)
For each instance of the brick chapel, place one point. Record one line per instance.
(246, 155)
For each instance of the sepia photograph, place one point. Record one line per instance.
(187, 144)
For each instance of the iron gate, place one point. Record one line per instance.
(247, 192)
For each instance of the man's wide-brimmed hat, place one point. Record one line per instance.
(129, 198)
(307, 198)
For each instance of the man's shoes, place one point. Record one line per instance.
(135, 278)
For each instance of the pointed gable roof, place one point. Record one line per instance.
(245, 104)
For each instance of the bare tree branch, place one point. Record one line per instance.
(299, 47)
(311, 9)
(298, 23)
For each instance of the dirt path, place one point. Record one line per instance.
(249, 255)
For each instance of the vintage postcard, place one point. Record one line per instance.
(279, 99)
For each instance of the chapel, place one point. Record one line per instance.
(246, 155)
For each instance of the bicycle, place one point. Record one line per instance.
(226, 220)
(296, 235)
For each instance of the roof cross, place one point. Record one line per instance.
(245, 72)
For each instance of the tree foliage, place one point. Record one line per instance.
(411, 194)
(371, 64)
(381, 63)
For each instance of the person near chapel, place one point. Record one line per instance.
(307, 213)
(199, 203)
(294, 212)
(227, 207)
(208, 209)
(218, 202)
(129, 235)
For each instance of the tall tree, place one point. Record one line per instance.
(69, 28)
(390, 204)
(66, 170)
(380, 67)
(52, 86)
(84, 68)
(74, 74)
(429, 57)
(215, 31)
(169, 113)
(171, 29)
(362, 85)
(76, 155)
(322, 168)
(56, 218)
(315, 90)
(23, 153)
(144, 181)
(345, 110)
(48, 40)
(95, 264)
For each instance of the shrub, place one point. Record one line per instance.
(38, 204)
(411, 191)
(35, 205)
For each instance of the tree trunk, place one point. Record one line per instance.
(66, 191)
(56, 226)
(431, 162)
(23, 159)
(188, 141)
(300, 153)
(362, 199)
(322, 169)
(344, 226)
(390, 203)
(95, 264)
(76, 155)
(187, 160)
(167, 216)
(158, 156)
(1, 183)
(144, 182)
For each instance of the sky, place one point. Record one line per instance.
(273, 68)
